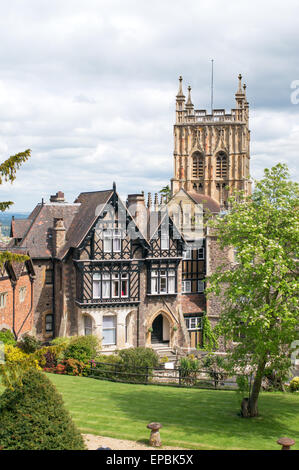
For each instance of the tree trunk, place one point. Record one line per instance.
(252, 403)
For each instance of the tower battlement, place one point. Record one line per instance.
(211, 150)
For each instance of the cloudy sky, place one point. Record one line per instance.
(90, 86)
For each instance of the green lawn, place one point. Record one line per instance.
(195, 419)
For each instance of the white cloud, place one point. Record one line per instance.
(90, 88)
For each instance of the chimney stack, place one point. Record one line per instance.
(136, 206)
(58, 197)
(59, 235)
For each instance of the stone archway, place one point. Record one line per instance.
(160, 328)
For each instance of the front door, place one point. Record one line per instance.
(157, 333)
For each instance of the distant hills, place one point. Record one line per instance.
(5, 220)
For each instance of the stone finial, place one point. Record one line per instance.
(156, 199)
(149, 200)
(189, 101)
(180, 94)
(189, 104)
(155, 438)
(286, 443)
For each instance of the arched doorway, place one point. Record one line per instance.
(161, 330)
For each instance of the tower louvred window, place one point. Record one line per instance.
(198, 165)
(221, 165)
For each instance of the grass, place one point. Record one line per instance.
(195, 419)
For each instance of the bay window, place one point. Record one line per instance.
(114, 285)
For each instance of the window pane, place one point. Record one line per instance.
(109, 330)
(201, 286)
(163, 284)
(107, 245)
(87, 326)
(164, 243)
(171, 284)
(116, 244)
(109, 321)
(154, 285)
(49, 322)
(109, 336)
(96, 290)
(124, 288)
(115, 288)
(106, 289)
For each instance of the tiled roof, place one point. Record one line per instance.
(38, 239)
(19, 227)
(207, 201)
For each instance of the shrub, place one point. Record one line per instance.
(294, 384)
(62, 340)
(82, 348)
(188, 370)
(16, 362)
(49, 356)
(29, 344)
(13, 354)
(216, 367)
(133, 358)
(137, 364)
(7, 337)
(33, 417)
(106, 366)
(72, 367)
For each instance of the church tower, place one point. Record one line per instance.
(211, 151)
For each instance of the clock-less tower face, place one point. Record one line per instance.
(211, 151)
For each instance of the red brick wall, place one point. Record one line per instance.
(22, 309)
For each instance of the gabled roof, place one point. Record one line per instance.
(207, 202)
(38, 238)
(92, 205)
(157, 222)
(85, 218)
(15, 269)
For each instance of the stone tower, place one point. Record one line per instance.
(211, 151)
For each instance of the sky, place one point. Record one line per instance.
(90, 87)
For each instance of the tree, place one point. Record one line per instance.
(8, 171)
(33, 417)
(260, 291)
(166, 192)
